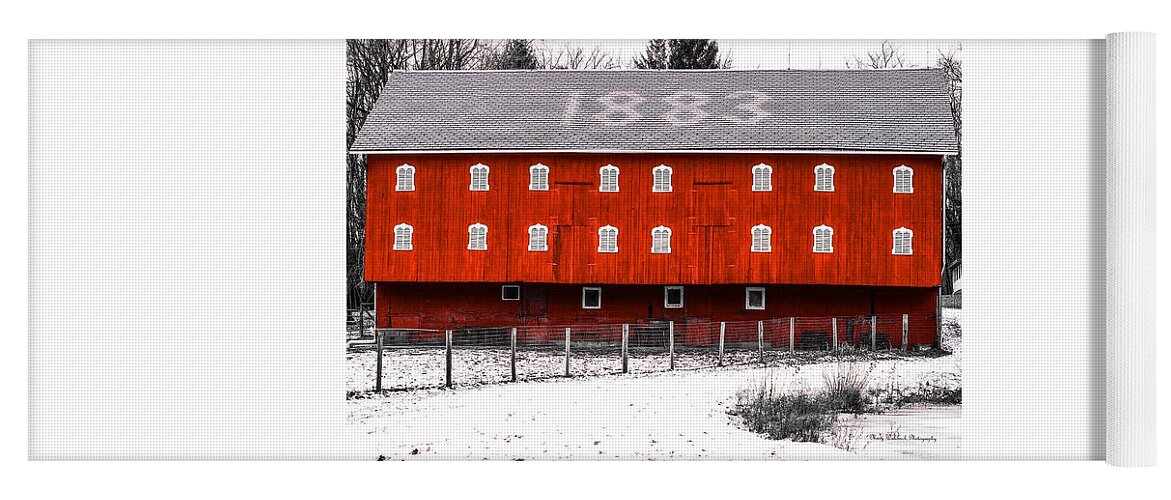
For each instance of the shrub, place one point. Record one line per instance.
(845, 387)
(799, 416)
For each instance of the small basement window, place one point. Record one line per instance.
(591, 297)
(406, 178)
(754, 298)
(510, 292)
(673, 297)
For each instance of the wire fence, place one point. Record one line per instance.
(423, 358)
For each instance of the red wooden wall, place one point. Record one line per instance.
(443, 306)
(711, 212)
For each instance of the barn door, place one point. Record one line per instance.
(536, 304)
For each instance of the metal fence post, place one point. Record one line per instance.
(378, 365)
(792, 333)
(760, 339)
(835, 326)
(904, 333)
(625, 342)
(671, 342)
(721, 358)
(448, 342)
(361, 319)
(566, 351)
(512, 361)
(873, 333)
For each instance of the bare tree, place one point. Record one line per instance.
(888, 55)
(950, 63)
(577, 58)
(368, 63)
(449, 54)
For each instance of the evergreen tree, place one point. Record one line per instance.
(655, 56)
(681, 54)
(694, 54)
(515, 54)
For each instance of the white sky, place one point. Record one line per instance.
(777, 54)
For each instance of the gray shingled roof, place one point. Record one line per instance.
(770, 110)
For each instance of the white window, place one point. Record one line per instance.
(762, 238)
(823, 239)
(403, 237)
(538, 238)
(538, 178)
(902, 241)
(607, 239)
(661, 240)
(406, 178)
(479, 177)
(662, 178)
(591, 297)
(903, 175)
(609, 179)
(825, 178)
(510, 292)
(673, 297)
(754, 298)
(477, 237)
(762, 178)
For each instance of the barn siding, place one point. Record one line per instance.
(711, 212)
(458, 305)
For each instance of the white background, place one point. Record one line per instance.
(546, 20)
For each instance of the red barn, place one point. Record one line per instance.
(500, 198)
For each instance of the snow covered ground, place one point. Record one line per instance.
(680, 414)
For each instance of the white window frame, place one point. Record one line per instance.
(895, 241)
(409, 185)
(472, 241)
(503, 287)
(544, 240)
(666, 291)
(910, 179)
(473, 186)
(602, 185)
(654, 239)
(748, 298)
(823, 227)
(410, 237)
(601, 240)
(658, 187)
(583, 297)
(768, 239)
(818, 172)
(535, 186)
(768, 177)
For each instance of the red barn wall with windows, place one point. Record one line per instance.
(711, 210)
